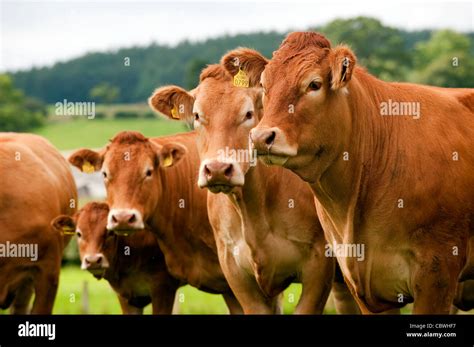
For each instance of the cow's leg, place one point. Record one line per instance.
(163, 295)
(435, 284)
(127, 308)
(343, 299)
(317, 278)
(23, 298)
(244, 286)
(46, 287)
(232, 303)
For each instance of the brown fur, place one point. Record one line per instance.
(35, 189)
(275, 244)
(409, 251)
(137, 270)
(184, 234)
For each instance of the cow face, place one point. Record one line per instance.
(222, 115)
(93, 239)
(305, 104)
(130, 166)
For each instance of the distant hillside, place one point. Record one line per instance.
(384, 51)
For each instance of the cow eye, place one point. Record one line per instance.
(148, 173)
(104, 174)
(315, 85)
(78, 233)
(249, 115)
(196, 116)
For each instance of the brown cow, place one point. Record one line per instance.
(400, 185)
(37, 185)
(152, 182)
(266, 226)
(134, 266)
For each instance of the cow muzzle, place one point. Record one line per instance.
(96, 264)
(124, 221)
(219, 176)
(271, 145)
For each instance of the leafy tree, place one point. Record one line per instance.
(384, 51)
(18, 113)
(446, 60)
(193, 70)
(105, 92)
(381, 49)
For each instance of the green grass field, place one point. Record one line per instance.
(102, 299)
(94, 133)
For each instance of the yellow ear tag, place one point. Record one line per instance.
(174, 112)
(168, 161)
(241, 79)
(68, 230)
(88, 167)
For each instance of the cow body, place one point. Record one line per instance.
(266, 226)
(133, 265)
(402, 186)
(149, 187)
(37, 186)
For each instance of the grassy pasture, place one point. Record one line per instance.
(77, 131)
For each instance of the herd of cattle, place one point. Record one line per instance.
(198, 208)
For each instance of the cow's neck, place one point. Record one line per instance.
(169, 217)
(343, 187)
(252, 206)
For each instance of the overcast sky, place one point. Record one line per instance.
(38, 33)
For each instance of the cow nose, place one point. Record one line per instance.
(217, 172)
(263, 139)
(93, 260)
(124, 217)
(124, 220)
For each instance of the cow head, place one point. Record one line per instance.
(305, 104)
(92, 236)
(131, 166)
(222, 110)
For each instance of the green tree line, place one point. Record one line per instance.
(443, 58)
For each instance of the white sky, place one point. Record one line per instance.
(38, 33)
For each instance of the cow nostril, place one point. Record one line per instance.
(270, 139)
(99, 260)
(87, 261)
(132, 219)
(114, 219)
(228, 171)
(207, 172)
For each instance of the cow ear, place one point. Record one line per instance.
(247, 62)
(86, 160)
(170, 154)
(64, 224)
(342, 62)
(173, 102)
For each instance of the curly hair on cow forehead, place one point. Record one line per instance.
(128, 137)
(216, 71)
(297, 42)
